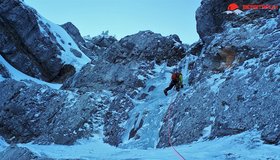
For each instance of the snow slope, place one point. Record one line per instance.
(19, 76)
(245, 146)
(65, 41)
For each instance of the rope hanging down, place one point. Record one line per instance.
(169, 136)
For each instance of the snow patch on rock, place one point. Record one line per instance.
(66, 42)
(19, 76)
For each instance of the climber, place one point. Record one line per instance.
(176, 80)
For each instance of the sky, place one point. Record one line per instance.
(124, 17)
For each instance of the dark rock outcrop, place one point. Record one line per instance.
(73, 31)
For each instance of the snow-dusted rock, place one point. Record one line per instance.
(125, 78)
(143, 46)
(97, 45)
(119, 96)
(74, 32)
(115, 116)
(211, 16)
(148, 46)
(32, 45)
(103, 75)
(22, 153)
(237, 99)
(3, 72)
(38, 113)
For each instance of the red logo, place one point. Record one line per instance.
(232, 7)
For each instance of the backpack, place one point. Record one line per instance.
(175, 76)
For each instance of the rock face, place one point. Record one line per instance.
(251, 33)
(148, 46)
(97, 45)
(235, 99)
(118, 78)
(73, 31)
(123, 81)
(122, 61)
(45, 115)
(99, 94)
(25, 46)
(119, 94)
(123, 67)
(3, 72)
(117, 114)
(143, 46)
(210, 16)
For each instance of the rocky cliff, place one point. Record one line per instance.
(113, 89)
(123, 67)
(97, 97)
(238, 98)
(35, 46)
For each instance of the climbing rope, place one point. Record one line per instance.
(169, 136)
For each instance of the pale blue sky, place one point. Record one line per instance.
(124, 17)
